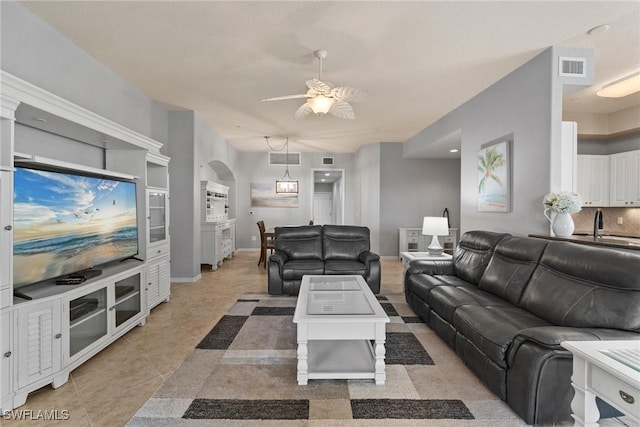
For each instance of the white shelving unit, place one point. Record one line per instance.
(43, 339)
(158, 288)
(218, 233)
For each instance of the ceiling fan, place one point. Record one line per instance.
(323, 99)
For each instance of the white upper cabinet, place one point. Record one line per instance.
(625, 179)
(593, 180)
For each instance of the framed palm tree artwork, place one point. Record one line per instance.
(494, 176)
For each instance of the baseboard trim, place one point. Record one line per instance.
(248, 250)
(186, 279)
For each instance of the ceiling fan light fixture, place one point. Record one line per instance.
(621, 88)
(320, 104)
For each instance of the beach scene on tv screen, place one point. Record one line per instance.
(64, 223)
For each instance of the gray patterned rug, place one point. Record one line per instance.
(245, 369)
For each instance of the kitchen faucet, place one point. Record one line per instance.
(597, 224)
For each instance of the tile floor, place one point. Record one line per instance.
(109, 388)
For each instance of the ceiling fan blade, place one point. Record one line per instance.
(303, 111)
(280, 98)
(342, 110)
(319, 86)
(348, 94)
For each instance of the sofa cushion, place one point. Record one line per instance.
(473, 254)
(304, 242)
(586, 287)
(444, 300)
(511, 267)
(492, 329)
(344, 267)
(422, 284)
(344, 242)
(295, 269)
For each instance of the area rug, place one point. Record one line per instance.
(243, 372)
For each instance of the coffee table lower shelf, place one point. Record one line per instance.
(340, 359)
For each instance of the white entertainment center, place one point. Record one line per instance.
(44, 338)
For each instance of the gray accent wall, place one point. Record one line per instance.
(194, 146)
(253, 167)
(36, 52)
(528, 104)
(184, 217)
(614, 145)
(411, 189)
(367, 185)
(35, 141)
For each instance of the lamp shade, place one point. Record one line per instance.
(289, 187)
(320, 104)
(435, 226)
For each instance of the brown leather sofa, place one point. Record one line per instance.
(505, 304)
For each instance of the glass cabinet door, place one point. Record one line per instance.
(128, 300)
(157, 216)
(87, 320)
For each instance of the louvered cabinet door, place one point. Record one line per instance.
(39, 344)
(158, 281)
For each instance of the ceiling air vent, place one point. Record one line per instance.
(327, 160)
(573, 67)
(280, 159)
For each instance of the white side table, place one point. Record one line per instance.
(407, 257)
(605, 369)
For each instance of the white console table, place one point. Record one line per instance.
(605, 369)
(412, 240)
(407, 257)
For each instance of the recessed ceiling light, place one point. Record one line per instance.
(622, 87)
(597, 30)
(327, 174)
(454, 150)
(323, 180)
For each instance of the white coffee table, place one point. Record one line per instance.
(337, 317)
(605, 369)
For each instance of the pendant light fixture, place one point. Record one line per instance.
(286, 185)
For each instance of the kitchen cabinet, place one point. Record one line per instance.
(593, 180)
(625, 179)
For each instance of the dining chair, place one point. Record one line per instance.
(266, 243)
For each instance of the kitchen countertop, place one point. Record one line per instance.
(609, 241)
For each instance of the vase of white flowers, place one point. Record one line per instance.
(563, 204)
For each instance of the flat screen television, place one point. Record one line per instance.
(68, 222)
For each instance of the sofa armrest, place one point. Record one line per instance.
(274, 272)
(551, 337)
(279, 257)
(367, 257)
(432, 268)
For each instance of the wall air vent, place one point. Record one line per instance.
(280, 159)
(572, 67)
(327, 160)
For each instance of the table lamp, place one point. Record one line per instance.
(435, 226)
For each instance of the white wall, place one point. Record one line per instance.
(528, 104)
